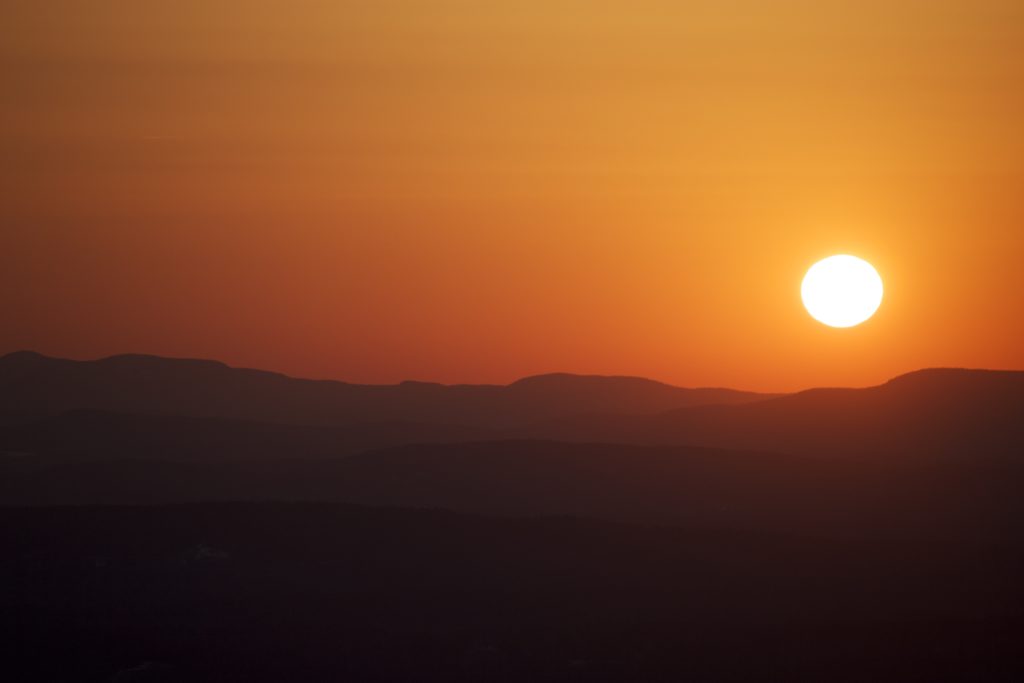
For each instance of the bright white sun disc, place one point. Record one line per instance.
(842, 291)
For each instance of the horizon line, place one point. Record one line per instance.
(525, 378)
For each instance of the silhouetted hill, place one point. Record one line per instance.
(307, 593)
(928, 413)
(34, 386)
(696, 488)
(86, 435)
(699, 487)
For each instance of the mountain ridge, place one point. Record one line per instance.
(128, 359)
(926, 412)
(33, 385)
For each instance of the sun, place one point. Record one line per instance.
(842, 291)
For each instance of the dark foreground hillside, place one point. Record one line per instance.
(183, 521)
(713, 490)
(303, 592)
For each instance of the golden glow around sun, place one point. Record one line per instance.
(842, 291)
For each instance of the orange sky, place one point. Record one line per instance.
(472, 192)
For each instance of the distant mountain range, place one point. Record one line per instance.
(143, 406)
(913, 453)
(36, 386)
(925, 413)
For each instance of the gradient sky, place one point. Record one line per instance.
(463, 191)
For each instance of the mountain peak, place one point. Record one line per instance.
(955, 378)
(128, 360)
(567, 378)
(140, 360)
(951, 372)
(22, 356)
